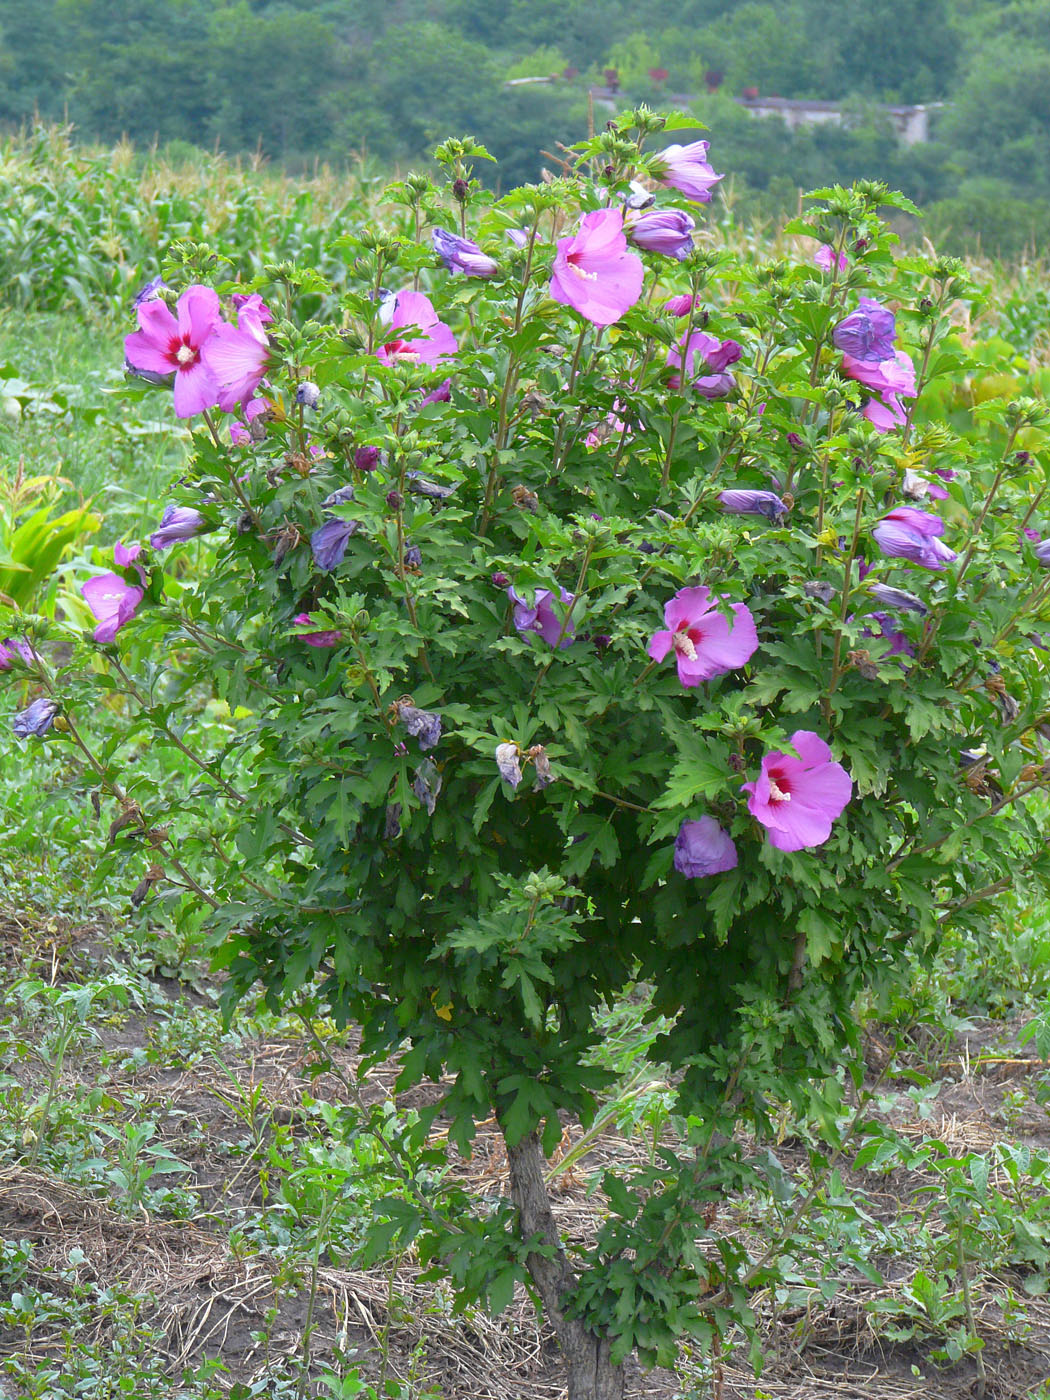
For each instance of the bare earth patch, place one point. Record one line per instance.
(220, 1105)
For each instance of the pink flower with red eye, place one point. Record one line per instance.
(594, 272)
(434, 343)
(797, 799)
(237, 357)
(174, 344)
(112, 602)
(705, 643)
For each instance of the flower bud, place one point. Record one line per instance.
(307, 395)
(395, 500)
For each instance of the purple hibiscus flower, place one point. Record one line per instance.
(825, 258)
(702, 848)
(908, 533)
(434, 342)
(112, 601)
(462, 254)
(12, 647)
(766, 503)
(714, 355)
(867, 333)
(167, 344)
(542, 618)
(316, 639)
(888, 378)
(685, 168)
(666, 231)
(237, 357)
(329, 542)
(176, 524)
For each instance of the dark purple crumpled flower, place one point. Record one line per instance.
(462, 254)
(338, 497)
(329, 542)
(766, 503)
(507, 762)
(176, 524)
(37, 719)
(421, 485)
(542, 618)
(867, 333)
(413, 557)
(666, 231)
(702, 848)
(423, 725)
(366, 459)
(427, 784)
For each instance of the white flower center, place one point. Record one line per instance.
(185, 354)
(777, 794)
(580, 272)
(683, 644)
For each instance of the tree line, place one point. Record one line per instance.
(346, 81)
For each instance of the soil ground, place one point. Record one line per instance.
(211, 1298)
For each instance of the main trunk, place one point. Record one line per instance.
(592, 1375)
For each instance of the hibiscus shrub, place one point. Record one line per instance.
(582, 617)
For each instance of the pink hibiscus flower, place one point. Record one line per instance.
(434, 343)
(887, 378)
(705, 643)
(112, 602)
(595, 272)
(797, 799)
(173, 344)
(237, 357)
